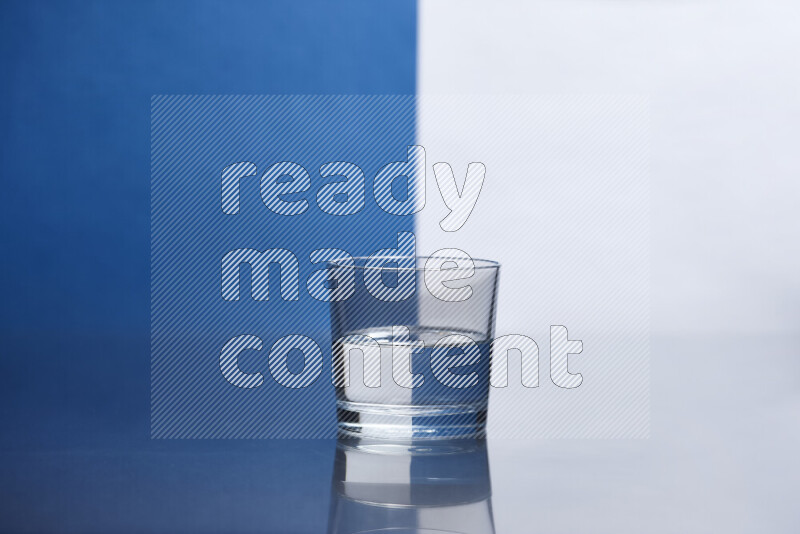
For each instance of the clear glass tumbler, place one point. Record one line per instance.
(412, 345)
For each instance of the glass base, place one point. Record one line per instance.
(381, 421)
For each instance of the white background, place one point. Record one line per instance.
(723, 82)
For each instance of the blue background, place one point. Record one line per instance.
(194, 138)
(77, 82)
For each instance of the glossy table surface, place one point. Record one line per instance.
(722, 457)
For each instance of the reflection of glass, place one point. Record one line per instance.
(430, 487)
(412, 345)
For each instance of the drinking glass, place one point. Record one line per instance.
(412, 345)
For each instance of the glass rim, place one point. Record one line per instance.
(419, 263)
